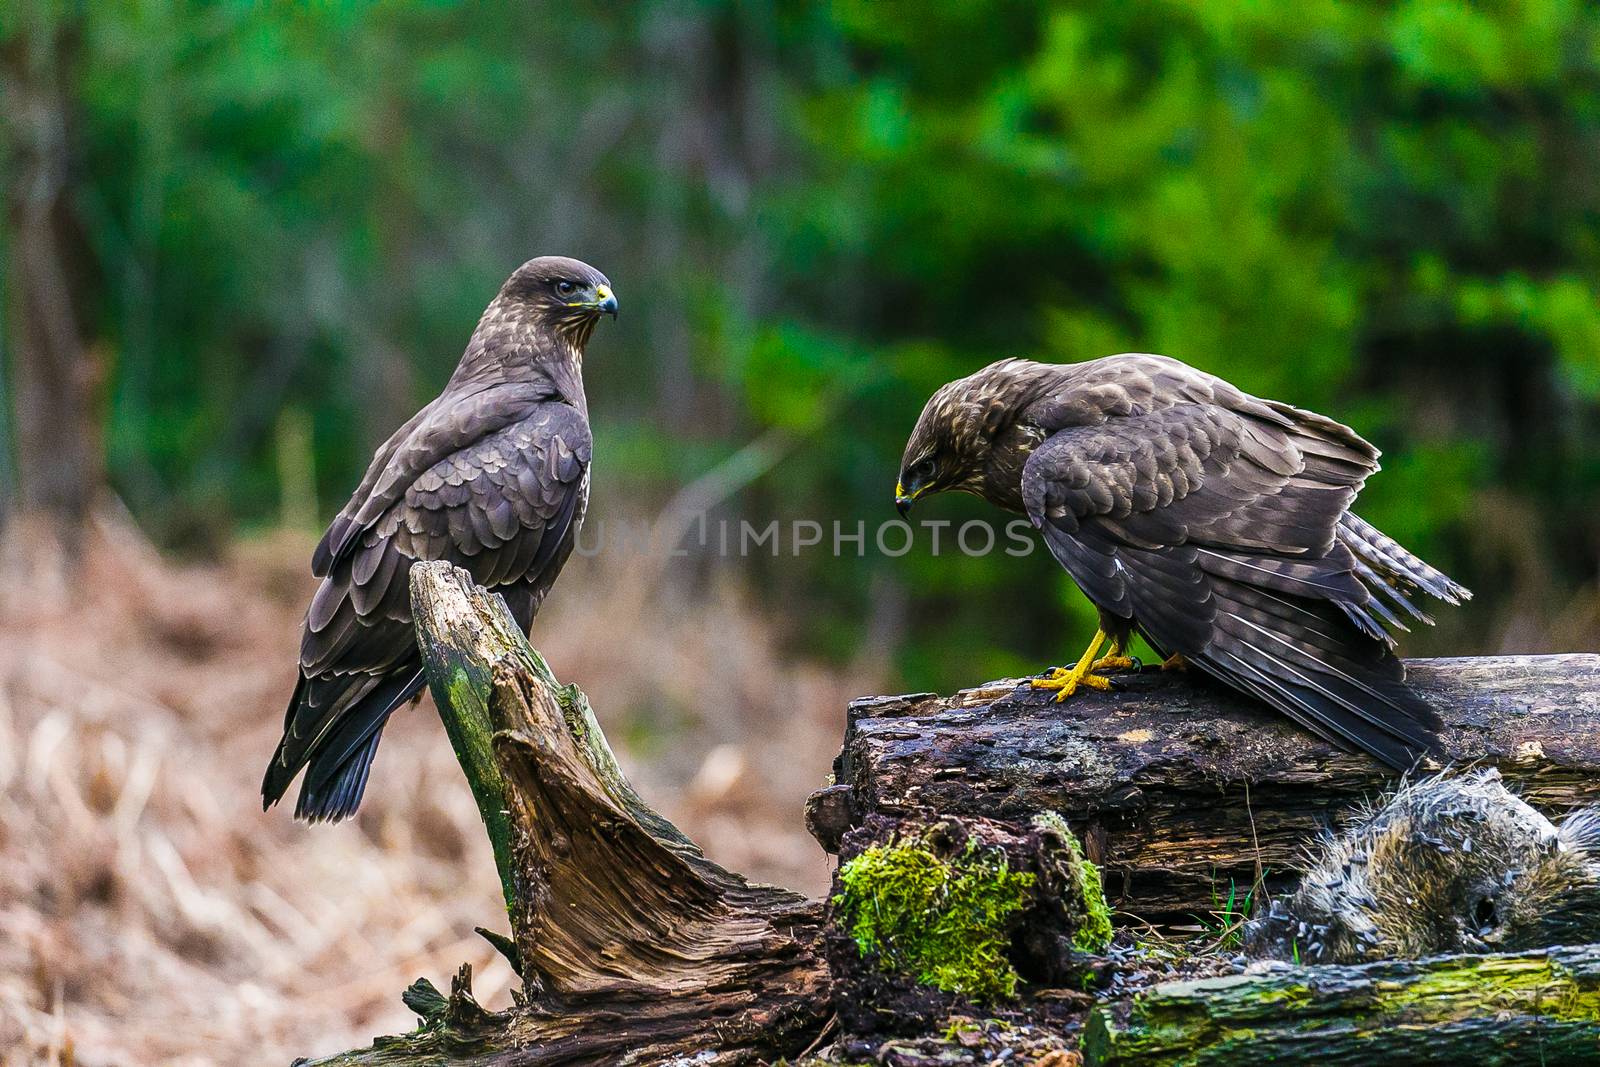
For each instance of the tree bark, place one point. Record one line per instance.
(630, 942)
(1530, 1008)
(55, 376)
(1179, 787)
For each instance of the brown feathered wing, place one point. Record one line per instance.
(1223, 529)
(493, 480)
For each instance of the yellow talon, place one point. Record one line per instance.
(1114, 662)
(1067, 681)
(1175, 662)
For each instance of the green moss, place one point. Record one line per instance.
(463, 707)
(942, 922)
(1474, 1004)
(1499, 983)
(1088, 897)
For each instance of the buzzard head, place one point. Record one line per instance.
(564, 295)
(970, 437)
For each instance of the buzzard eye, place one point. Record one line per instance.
(564, 287)
(923, 471)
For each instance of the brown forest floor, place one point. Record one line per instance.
(151, 914)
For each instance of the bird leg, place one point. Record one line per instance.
(1065, 681)
(1175, 662)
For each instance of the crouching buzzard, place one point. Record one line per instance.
(1216, 524)
(493, 476)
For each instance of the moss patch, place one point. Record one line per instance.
(1496, 984)
(1527, 1008)
(464, 710)
(1087, 894)
(944, 922)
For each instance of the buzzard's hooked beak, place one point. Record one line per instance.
(902, 500)
(605, 301)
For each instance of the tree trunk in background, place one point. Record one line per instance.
(54, 376)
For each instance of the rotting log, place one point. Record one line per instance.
(631, 945)
(1179, 786)
(1488, 1011)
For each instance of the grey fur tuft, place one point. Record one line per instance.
(1446, 864)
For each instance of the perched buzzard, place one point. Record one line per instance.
(492, 476)
(1215, 524)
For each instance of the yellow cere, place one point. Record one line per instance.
(602, 293)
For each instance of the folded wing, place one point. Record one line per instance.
(494, 483)
(1222, 526)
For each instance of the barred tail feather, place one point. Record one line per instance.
(1391, 572)
(1290, 653)
(340, 796)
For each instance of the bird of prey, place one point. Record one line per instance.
(1215, 524)
(493, 476)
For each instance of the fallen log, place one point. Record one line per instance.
(1180, 787)
(1496, 1010)
(629, 942)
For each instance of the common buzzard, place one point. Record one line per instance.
(493, 476)
(1214, 523)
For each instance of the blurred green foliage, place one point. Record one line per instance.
(816, 214)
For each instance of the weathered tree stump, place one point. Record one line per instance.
(1179, 787)
(630, 943)
(1020, 912)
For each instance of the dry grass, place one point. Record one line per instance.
(151, 914)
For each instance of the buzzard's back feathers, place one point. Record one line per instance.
(1219, 526)
(505, 507)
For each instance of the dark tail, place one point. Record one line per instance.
(332, 729)
(1302, 657)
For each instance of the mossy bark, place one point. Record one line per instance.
(460, 683)
(943, 920)
(1532, 1008)
(972, 917)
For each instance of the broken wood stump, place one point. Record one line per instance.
(1180, 787)
(629, 942)
(930, 922)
